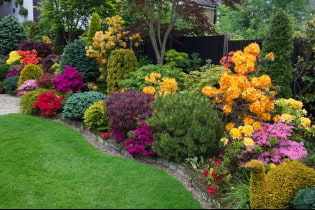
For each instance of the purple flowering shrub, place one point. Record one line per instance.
(70, 80)
(140, 140)
(124, 109)
(273, 146)
(14, 70)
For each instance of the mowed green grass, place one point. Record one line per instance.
(46, 165)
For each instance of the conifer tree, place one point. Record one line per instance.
(279, 40)
(94, 26)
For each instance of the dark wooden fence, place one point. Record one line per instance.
(208, 47)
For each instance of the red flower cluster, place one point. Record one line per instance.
(48, 103)
(105, 135)
(227, 61)
(29, 57)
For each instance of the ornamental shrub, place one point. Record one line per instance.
(3, 70)
(27, 86)
(187, 126)
(29, 57)
(124, 109)
(208, 75)
(30, 71)
(74, 55)
(27, 101)
(120, 62)
(11, 34)
(280, 42)
(14, 70)
(46, 81)
(136, 79)
(94, 117)
(140, 140)
(182, 60)
(305, 198)
(49, 61)
(94, 26)
(10, 83)
(43, 49)
(78, 103)
(48, 103)
(277, 188)
(70, 80)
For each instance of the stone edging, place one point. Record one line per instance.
(208, 202)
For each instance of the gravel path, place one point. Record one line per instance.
(9, 104)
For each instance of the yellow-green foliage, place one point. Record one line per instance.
(94, 26)
(120, 62)
(94, 116)
(277, 188)
(28, 99)
(29, 72)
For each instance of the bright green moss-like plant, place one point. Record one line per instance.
(94, 116)
(27, 101)
(78, 103)
(29, 72)
(120, 62)
(277, 188)
(187, 126)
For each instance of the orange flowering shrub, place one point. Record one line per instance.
(160, 86)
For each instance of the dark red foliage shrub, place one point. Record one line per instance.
(48, 103)
(124, 109)
(43, 49)
(49, 61)
(46, 81)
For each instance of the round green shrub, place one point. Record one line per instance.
(29, 72)
(120, 62)
(75, 56)
(187, 126)
(11, 34)
(136, 79)
(27, 101)
(305, 198)
(78, 103)
(94, 116)
(10, 83)
(3, 71)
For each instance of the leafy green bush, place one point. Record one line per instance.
(78, 103)
(94, 116)
(75, 56)
(3, 70)
(305, 198)
(187, 126)
(11, 34)
(208, 75)
(27, 101)
(10, 83)
(29, 72)
(136, 79)
(120, 62)
(182, 60)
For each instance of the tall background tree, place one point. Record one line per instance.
(280, 42)
(249, 20)
(159, 19)
(69, 16)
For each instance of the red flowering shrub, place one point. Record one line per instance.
(105, 135)
(43, 49)
(48, 103)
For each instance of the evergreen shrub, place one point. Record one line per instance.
(3, 71)
(94, 116)
(78, 103)
(10, 83)
(27, 101)
(120, 62)
(305, 198)
(187, 126)
(29, 72)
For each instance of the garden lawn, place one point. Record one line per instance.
(46, 165)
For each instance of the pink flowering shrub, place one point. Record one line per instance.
(273, 146)
(140, 140)
(27, 86)
(70, 80)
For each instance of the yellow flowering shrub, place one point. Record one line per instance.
(160, 85)
(14, 58)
